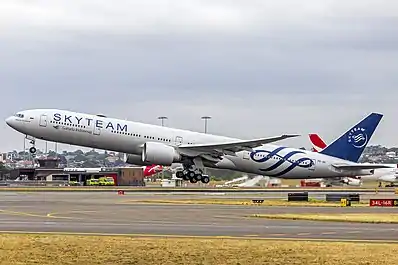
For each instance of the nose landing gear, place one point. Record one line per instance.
(32, 141)
(32, 150)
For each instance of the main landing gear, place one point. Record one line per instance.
(193, 174)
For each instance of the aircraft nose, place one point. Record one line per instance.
(9, 121)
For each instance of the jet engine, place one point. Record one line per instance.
(159, 154)
(136, 160)
(389, 178)
(352, 181)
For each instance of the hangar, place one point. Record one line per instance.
(49, 173)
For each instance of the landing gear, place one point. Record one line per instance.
(32, 141)
(32, 150)
(205, 179)
(192, 174)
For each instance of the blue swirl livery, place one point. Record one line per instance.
(281, 161)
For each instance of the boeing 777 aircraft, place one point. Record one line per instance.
(148, 144)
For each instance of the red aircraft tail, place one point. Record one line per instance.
(317, 143)
(152, 170)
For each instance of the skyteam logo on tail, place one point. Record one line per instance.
(262, 156)
(358, 137)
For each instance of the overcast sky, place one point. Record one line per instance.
(259, 68)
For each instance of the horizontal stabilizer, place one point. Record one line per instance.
(360, 166)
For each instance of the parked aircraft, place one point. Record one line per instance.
(389, 175)
(152, 170)
(150, 144)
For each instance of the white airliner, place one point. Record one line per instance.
(389, 175)
(150, 144)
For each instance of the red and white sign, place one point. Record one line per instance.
(382, 202)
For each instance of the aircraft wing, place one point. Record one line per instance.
(360, 166)
(229, 147)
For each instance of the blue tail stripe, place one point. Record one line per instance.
(351, 145)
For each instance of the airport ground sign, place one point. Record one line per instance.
(383, 202)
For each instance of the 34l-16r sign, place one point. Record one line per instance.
(383, 202)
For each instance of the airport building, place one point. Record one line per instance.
(49, 173)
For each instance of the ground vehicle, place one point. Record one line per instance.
(92, 182)
(74, 183)
(106, 181)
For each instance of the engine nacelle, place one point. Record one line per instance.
(159, 154)
(352, 181)
(136, 160)
(389, 178)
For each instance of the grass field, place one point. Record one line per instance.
(311, 203)
(346, 217)
(57, 249)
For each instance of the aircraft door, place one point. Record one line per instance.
(312, 167)
(178, 140)
(96, 130)
(43, 120)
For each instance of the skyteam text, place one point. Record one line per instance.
(88, 122)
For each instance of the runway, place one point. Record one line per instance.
(108, 213)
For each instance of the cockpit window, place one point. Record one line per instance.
(19, 115)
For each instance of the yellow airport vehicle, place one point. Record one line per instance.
(92, 182)
(74, 183)
(106, 181)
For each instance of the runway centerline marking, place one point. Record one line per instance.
(328, 233)
(53, 214)
(304, 234)
(31, 214)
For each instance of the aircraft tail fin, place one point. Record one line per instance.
(352, 143)
(152, 170)
(317, 143)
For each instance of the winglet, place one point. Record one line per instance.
(352, 143)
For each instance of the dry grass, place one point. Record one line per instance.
(346, 217)
(312, 203)
(57, 249)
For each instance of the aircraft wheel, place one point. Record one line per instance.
(191, 174)
(205, 179)
(32, 150)
(179, 174)
(193, 180)
(198, 177)
(185, 177)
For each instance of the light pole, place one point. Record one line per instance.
(162, 118)
(205, 118)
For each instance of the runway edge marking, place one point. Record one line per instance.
(326, 240)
